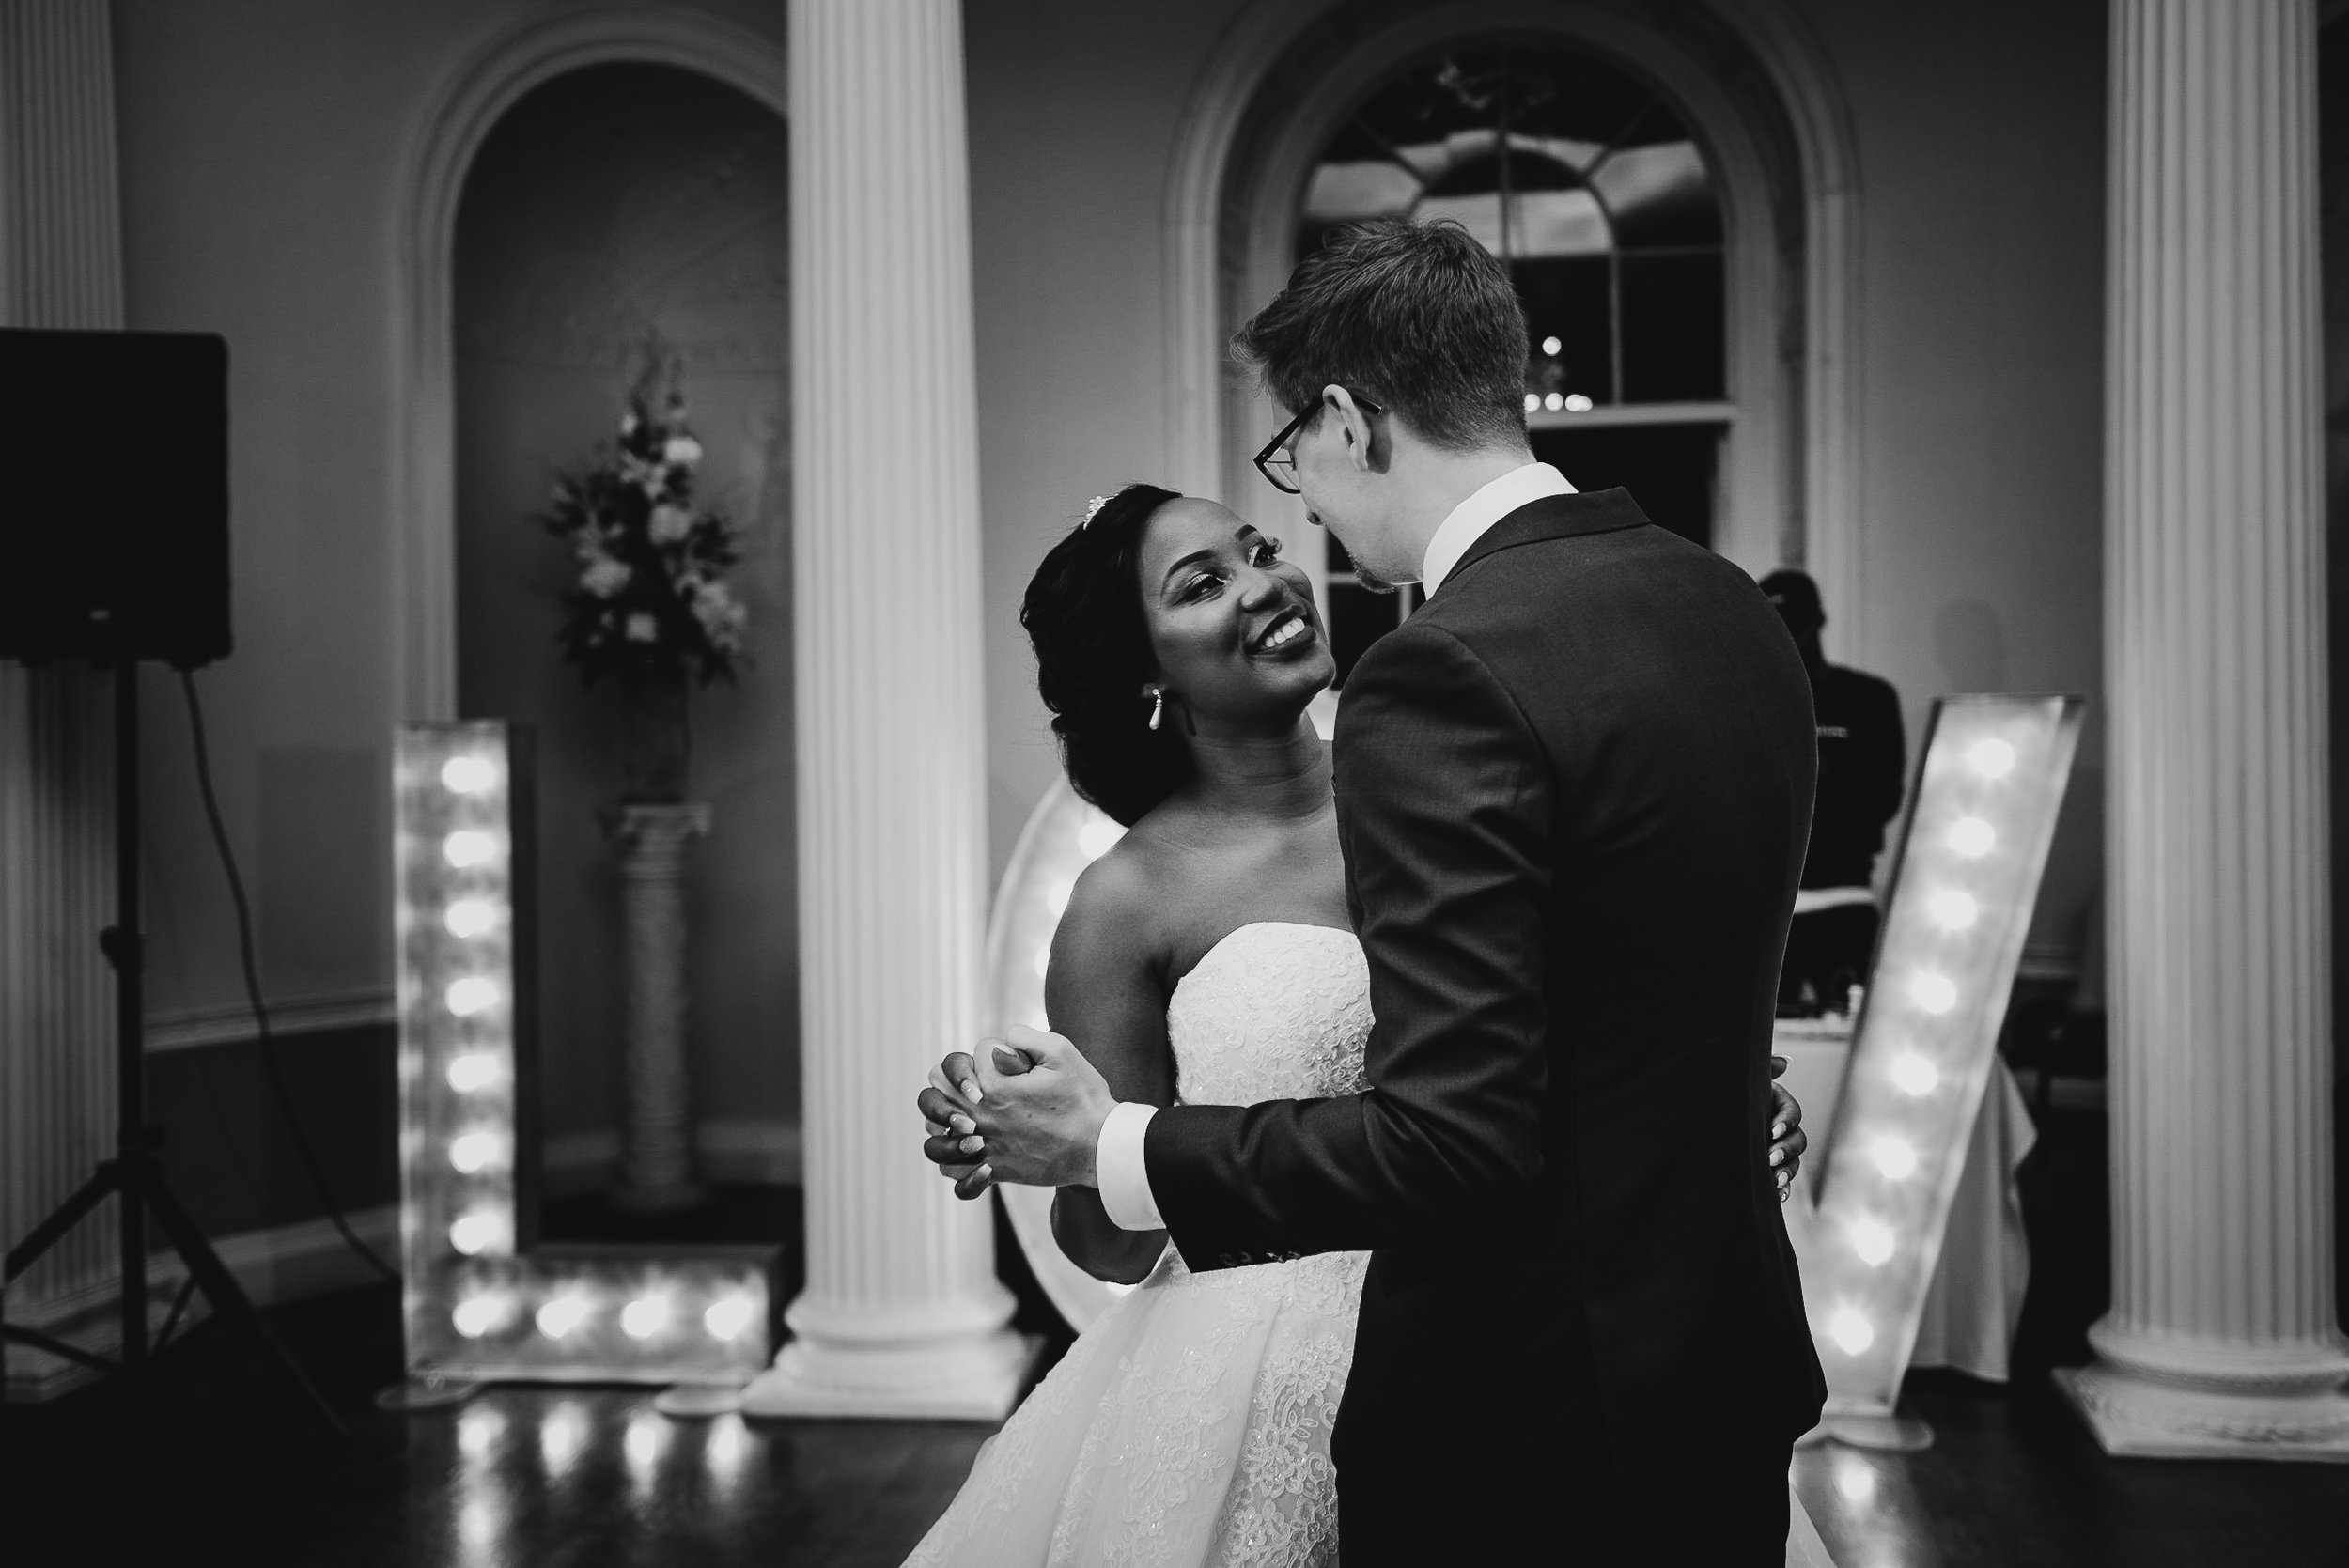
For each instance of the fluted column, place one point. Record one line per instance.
(2222, 1340)
(902, 1314)
(60, 266)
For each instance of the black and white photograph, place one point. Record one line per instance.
(1174, 784)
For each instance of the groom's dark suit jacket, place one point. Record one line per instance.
(1573, 791)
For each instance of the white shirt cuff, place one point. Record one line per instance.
(1118, 1168)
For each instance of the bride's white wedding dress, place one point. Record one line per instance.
(1190, 1423)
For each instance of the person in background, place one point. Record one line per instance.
(1862, 761)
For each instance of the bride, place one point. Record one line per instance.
(1208, 957)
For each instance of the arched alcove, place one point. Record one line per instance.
(608, 208)
(1753, 90)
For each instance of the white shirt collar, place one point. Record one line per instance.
(1479, 512)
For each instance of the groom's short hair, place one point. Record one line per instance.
(1417, 316)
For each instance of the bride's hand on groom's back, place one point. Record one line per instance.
(1787, 1138)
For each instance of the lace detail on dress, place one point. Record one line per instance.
(1273, 1012)
(1190, 1423)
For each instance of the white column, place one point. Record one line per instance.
(60, 266)
(2222, 1339)
(656, 1146)
(902, 1315)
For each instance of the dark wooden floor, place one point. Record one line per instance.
(215, 1466)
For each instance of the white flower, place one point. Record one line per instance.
(641, 628)
(605, 577)
(670, 524)
(684, 451)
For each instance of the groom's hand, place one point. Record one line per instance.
(1787, 1138)
(1037, 1128)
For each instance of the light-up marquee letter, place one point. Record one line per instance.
(1064, 835)
(480, 1303)
(1963, 889)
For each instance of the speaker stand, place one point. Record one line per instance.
(135, 1173)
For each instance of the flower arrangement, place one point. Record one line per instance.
(650, 604)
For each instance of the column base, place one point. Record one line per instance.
(967, 1380)
(2136, 1417)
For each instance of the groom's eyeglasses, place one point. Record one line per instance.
(1278, 464)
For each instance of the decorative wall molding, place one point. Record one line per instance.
(188, 1028)
(457, 117)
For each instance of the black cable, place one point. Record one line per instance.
(253, 990)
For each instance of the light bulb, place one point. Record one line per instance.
(1577, 403)
(468, 775)
(1914, 1074)
(1971, 837)
(471, 995)
(1895, 1157)
(1554, 402)
(727, 1316)
(1851, 1332)
(468, 848)
(472, 1153)
(1992, 759)
(478, 1316)
(470, 917)
(1096, 837)
(1532, 402)
(562, 1314)
(646, 1316)
(1953, 910)
(1932, 993)
(1872, 1239)
(477, 1232)
(472, 1071)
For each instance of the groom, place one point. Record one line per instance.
(1573, 791)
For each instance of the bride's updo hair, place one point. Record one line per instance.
(1093, 659)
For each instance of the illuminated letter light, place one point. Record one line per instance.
(1968, 874)
(480, 1303)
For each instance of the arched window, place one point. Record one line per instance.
(1601, 202)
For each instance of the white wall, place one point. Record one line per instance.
(262, 142)
(608, 203)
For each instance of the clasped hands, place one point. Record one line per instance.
(1027, 1108)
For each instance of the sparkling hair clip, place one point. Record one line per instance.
(1093, 509)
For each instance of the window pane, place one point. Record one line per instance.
(1672, 328)
(1671, 469)
(1567, 299)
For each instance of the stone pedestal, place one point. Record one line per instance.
(2222, 1341)
(657, 1143)
(902, 1315)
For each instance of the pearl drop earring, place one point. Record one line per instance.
(1158, 705)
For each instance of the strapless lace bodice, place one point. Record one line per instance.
(1275, 1012)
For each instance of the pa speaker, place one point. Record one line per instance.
(114, 519)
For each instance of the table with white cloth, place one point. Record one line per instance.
(1977, 1292)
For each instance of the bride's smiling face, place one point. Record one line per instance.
(1233, 626)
